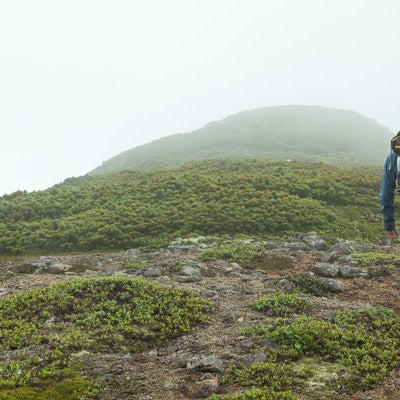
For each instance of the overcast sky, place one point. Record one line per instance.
(83, 80)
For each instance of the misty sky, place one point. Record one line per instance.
(83, 80)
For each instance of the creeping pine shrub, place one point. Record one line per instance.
(281, 304)
(307, 283)
(240, 252)
(373, 258)
(101, 314)
(365, 343)
(258, 394)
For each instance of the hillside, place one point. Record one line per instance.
(204, 318)
(140, 208)
(301, 133)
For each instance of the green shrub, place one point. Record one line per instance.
(150, 208)
(307, 283)
(373, 258)
(281, 304)
(258, 394)
(362, 346)
(101, 314)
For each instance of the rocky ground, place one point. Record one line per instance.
(190, 367)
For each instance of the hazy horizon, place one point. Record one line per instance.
(83, 81)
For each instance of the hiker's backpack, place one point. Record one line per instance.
(395, 144)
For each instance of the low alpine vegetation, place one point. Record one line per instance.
(216, 197)
(373, 258)
(93, 315)
(282, 305)
(361, 346)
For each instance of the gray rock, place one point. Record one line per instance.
(341, 249)
(332, 285)
(314, 241)
(151, 273)
(273, 245)
(132, 254)
(182, 248)
(327, 270)
(167, 385)
(58, 268)
(206, 364)
(30, 267)
(48, 260)
(187, 270)
(187, 279)
(347, 271)
(360, 281)
(298, 246)
(230, 317)
(252, 358)
(204, 389)
(188, 274)
(90, 272)
(328, 315)
(338, 250)
(285, 285)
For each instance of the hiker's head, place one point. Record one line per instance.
(395, 144)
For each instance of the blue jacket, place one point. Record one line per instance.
(386, 194)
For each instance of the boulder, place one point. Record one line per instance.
(347, 271)
(206, 364)
(314, 241)
(332, 285)
(326, 270)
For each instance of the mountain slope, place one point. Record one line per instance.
(302, 133)
(133, 208)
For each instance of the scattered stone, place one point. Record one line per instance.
(187, 279)
(151, 273)
(90, 272)
(353, 272)
(326, 270)
(332, 285)
(48, 260)
(205, 388)
(182, 248)
(273, 245)
(133, 254)
(167, 385)
(328, 315)
(58, 268)
(361, 282)
(236, 266)
(314, 241)
(252, 358)
(230, 317)
(206, 364)
(285, 285)
(338, 250)
(190, 271)
(30, 267)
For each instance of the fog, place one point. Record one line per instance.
(83, 80)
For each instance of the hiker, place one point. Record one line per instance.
(390, 184)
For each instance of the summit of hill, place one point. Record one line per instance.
(292, 132)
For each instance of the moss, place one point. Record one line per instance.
(68, 386)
